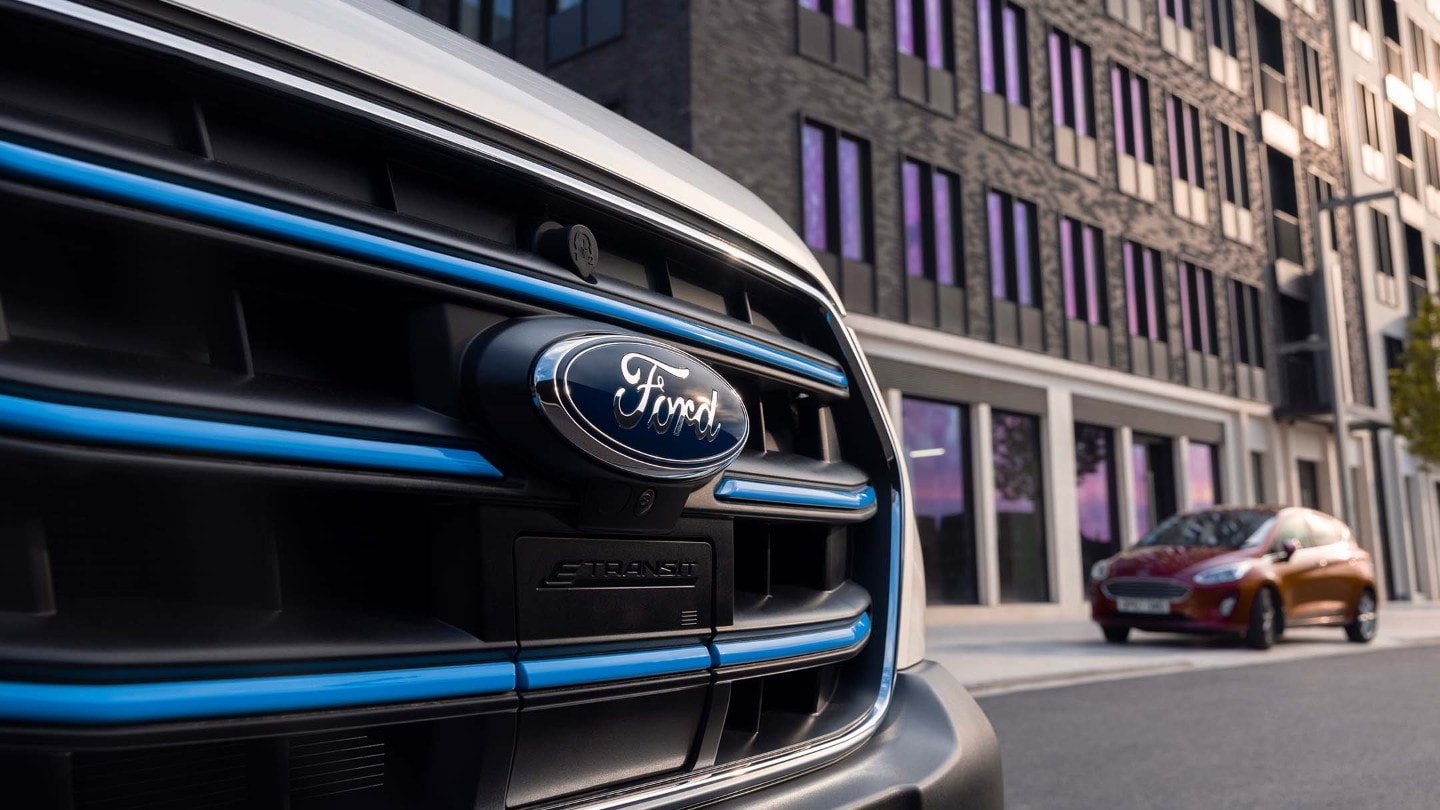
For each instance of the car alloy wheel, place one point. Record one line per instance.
(1261, 633)
(1362, 630)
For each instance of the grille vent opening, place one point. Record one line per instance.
(202, 776)
(334, 763)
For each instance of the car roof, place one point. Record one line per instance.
(390, 43)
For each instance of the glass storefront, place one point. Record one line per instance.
(1204, 473)
(1095, 495)
(1153, 482)
(1020, 508)
(937, 448)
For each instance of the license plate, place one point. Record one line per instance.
(1132, 605)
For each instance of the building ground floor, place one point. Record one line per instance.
(1027, 468)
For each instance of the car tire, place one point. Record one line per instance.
(1264, 618)
(1362, 629)
(1117, 635)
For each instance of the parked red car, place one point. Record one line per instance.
(1251, 571)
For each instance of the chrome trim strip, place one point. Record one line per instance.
(111, 426)
(693, 787)
(749, 490)
(749, 649)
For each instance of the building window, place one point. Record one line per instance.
(1420, 59)
(938, 452)
(1405, 176)
(930, 202)
(1177, 29)
(1224, 48)
(925, 66)
(1020, 508)
(1072, 100)
(1384, 262)
(1082, 271)
(1257, 477)
(1233, 169)
(1360, 13)
(1086, 292)
(1004, 70)
(1203, 467)
(1314, 111)
(1285, 215)
(1307, 474)
(1390, 31)
(835, 182)
(1432, 165)
(1095, 499)
(1270, 43)
(574, 26)
(1187, 166)
(1415, 264)
(1372, 155)
(1130, 12)
(489, 22)
(1152, 492)
(1323, 192)
(1014, 247)
(1197, 309)
(1247, 345)
(1144, 291)
(833, 32)
(1134, 141)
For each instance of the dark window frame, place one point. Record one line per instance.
(1009, 203)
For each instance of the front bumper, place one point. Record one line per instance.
(1199, 612)
(935, 749)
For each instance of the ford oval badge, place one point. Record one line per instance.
(640, 406)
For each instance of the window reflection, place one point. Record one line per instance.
(1019, 508)
(1204, 476)
(1095, 495)
(937, 450)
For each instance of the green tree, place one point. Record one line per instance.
(1415, 384)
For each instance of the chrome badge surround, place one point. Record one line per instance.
(554, 395)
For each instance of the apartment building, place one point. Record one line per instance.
(1077, 237)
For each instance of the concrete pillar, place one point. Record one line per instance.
(1182, 473)
(1062, 517)
(1125, 485)
(987, 546)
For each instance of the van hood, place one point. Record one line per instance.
(392, 44)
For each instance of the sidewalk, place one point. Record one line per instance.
(990, 657)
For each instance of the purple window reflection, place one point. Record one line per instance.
(1067, 266)
(1019, 511)
(1186, 273)
(1080, 76)
(813, 170)
(1093, 495)
(905, 27)
(1152, 296)
(1192, 149)
(914, 232)
(845, 12)
(944, 238)
(1132, 300)
(1202, 475)
(812, 5)
(1141, 119)
(985, 28)
(934, 34)
(1140, 465)
(852, 213)
(1057, 80)
(1092, 274)
(1025, 293)
(935, 444)
(1117, 97)
(1014, 89)
(996, 210)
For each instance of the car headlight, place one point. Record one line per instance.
(1100, 570)
(1222, 574)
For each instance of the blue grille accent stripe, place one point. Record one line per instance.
(790, 645)
(547, 673)
(752, 491)
(208, 206)
(150, 702)
(85, 424)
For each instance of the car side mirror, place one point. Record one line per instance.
(1288, 549)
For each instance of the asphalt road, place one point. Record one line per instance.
(1353, 731)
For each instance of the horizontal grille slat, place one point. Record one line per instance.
(1146, 589)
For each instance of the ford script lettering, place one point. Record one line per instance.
(682, 412)
(640, 406)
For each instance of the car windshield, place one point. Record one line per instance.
(1229, 529)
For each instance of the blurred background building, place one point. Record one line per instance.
(1078, 239)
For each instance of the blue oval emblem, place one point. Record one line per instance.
(640, 406)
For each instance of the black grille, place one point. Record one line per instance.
(1146, 589)
(138, 564)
